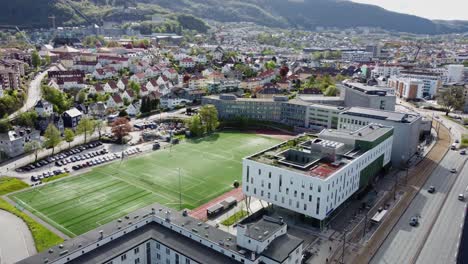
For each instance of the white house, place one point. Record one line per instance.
(115, 101)
(187, 63)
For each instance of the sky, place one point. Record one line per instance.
(432, 9)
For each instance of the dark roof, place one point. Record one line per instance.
(281, 248)
(163, 235)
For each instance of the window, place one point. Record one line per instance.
(269, 186)
(123, 257)
(248, 173)
(302, 195)
(136, 250)
(269, 175)
(187, 261)
(168, 251)
(158, 246)
(295, 194)
(158, 256)
(259, 171)
(310, 198)
(255, 190)
(137, 261)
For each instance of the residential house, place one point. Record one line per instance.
(12, 142)
(128, 95)
(98, 110)
(71, 118)
(187, 63)
(114, 101)
(96, 89)
(134, 109)
(43, 108)
(218, 53)
(111, 87)
(138, 77)
(71, 83)
(122, 84)
(171, 101)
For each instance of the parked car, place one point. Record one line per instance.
(453, 170)
(461, 197)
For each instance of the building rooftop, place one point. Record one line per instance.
(367, 89)
(153, 222)
(381, 114)
(320, 156)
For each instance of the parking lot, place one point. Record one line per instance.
(84, 156)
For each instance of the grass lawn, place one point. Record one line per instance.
(464, 141)
(8, 185)
(43, 238)
(234, 218)
(207, 168)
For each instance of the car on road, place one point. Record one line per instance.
(414, 221)
(461, 197)
(463, 152)
(457, 141)
(453, 170)
(431, 189)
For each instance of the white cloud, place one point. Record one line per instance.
(432, 9)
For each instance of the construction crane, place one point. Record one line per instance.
(418, 49)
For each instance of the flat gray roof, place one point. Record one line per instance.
(381, 114)
(370, 132)
(281, 247)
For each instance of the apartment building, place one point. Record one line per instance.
(409, 89)
(159, 235)
(12, 142)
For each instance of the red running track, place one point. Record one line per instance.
(200, 212)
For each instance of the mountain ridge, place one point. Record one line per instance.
(298, 14)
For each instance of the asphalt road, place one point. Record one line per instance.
(436, 239)
(34, 93)
(404, 242)
(443, 242)
(16, 241)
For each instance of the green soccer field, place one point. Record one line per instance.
(207, 168)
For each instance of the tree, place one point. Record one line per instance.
(47, 59)
(5, 125)
(27, 119)
(451, 98)
(135, 87)
(270, 65)
(121, 128)
(85, 127)
(195, 126)
(81, 98)
(35, 59)
(284, 71)
(61, 101)
(69, 136)
(52, 137)
(33, 146)
(209, 117)
(123, 113)
(331, 91)
(99, 125)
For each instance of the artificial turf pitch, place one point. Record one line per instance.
(207, 167)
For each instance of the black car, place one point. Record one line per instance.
(34, 178)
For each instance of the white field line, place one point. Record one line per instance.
(47, 218)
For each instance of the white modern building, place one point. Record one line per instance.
(312, 175)
(386, 70)
(12, 142)
(432, 80)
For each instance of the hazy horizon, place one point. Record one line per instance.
(431, 9)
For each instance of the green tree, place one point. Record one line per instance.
(61, 101)
(86, 127)
(33, 146)
(331, 91)
(47, 59)
(27, 119)
(195, 126)
(209, 117)
(451, 99)
(270, 65)
(52, 137)
(81, 98)
(135, 87)
(69, 136)
(35, 59)
(5, 125)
